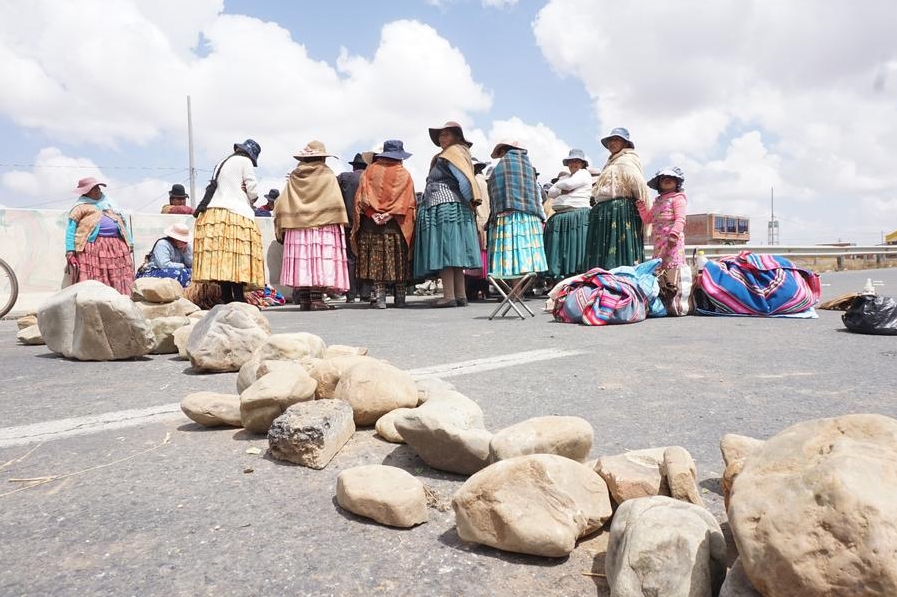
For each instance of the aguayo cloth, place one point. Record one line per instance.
(756, 285)
(600, 297)
(513, 186)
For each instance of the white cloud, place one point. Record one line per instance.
(99, 77)
(710, 84)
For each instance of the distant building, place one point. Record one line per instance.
(891, 239)
(717, 229)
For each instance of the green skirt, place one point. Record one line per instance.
(615, 234)
(445, 235)
(566, 237)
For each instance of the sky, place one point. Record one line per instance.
(753, 99)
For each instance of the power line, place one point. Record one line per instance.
(43, 166)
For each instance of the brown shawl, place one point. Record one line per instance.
(458, 155)
(386, 187)
(311, 198)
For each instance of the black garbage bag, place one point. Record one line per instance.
(872, 314)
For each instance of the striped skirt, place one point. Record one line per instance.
(382, 253)
(615, 234)
(445, 235)
(108, 260)
(516, 246)
(227, 248)
(315, 257)
(566, 235)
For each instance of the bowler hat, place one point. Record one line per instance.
(177, 192)
(358, 161)
(272, 195)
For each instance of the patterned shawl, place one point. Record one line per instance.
(458, 155)
(512, 185)
(311, 198)
(622, 176)
(386, 187)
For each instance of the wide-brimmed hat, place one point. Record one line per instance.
(358, 161)
(576, 154)
(178, 232)
(314, 149)
(594, 171)
(622, 134)
(451, 124)
(512, 143)
(251, 148)
(394, 150)
(478, 165)
(177, 192)
(272, 195)
(85, 184)
(562, 174)
(671, 171)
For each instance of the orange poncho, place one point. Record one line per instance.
(386, 187)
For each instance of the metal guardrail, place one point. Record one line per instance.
(878, 252)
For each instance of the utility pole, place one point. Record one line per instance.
(772, 237)
(190, 151)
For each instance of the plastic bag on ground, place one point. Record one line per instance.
(871, 314)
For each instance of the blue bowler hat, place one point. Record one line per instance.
(251, 148)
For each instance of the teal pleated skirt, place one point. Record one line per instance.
(615, 234)
(566, 238)
(516, 246)
(445, 235)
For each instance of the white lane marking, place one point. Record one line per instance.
(490, 363)
(58, 429)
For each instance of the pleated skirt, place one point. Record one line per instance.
(227, 248)
(382, 254)
(445, 235)
(315, 258)
(566, 238)
(516, 246)
(108, 260)
(615, 234)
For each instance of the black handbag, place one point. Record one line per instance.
(210, 190)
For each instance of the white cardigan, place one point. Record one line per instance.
(236, 174)
(580, 186)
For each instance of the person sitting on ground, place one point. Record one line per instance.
(177, 201)
(266, 210)
(171, 256)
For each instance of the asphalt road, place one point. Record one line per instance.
(199, 515)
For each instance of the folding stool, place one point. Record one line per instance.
(512, 296)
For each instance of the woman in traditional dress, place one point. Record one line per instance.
(170, 257)
(445, 234)
(227, 242)
(615, 227)
(567, 230)
(515, 228)
(309, 219)
(384, 224)
(98, 244)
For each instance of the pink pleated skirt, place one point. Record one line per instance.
(315, 257)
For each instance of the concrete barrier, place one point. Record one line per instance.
(32, 241)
